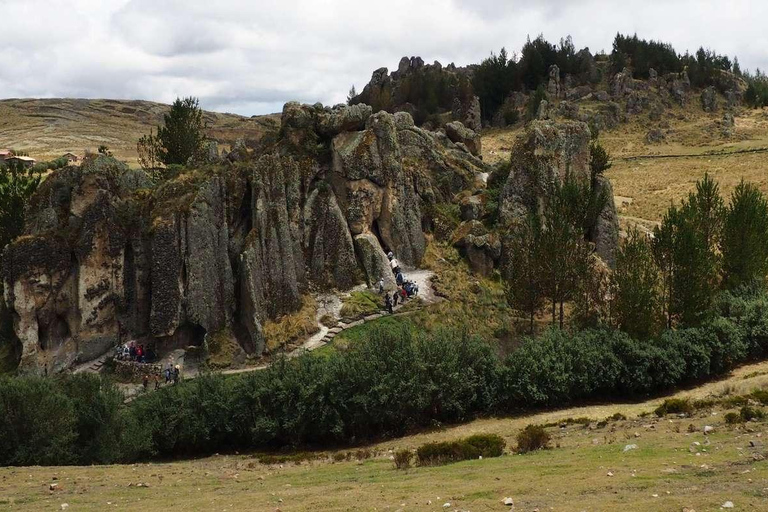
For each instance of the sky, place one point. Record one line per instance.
(251, 56)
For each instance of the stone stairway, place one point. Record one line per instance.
(93, 366)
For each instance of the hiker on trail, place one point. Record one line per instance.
(381, 286)
(403, 295)
(399, 279)
(140, 354)
(390, 255)
(132, 351)
(388, 303)
(157, 381)
(168, 373)
(395, 296)
(395, 266)
(145, 381)
(176, 372)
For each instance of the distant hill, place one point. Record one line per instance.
(47, 128)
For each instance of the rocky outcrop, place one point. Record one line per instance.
(605, 233)
(481, 248)
(709, 99)
(373, 260)
(546, 155)
(109, 256)
(397, 91)
(554, 89)
(458, 133)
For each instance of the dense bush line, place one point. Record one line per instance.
(393, 382)
(468, 448)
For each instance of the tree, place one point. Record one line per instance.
(565, 254)
(150, 152)
(599, 159)
(744, 244)
(352, 93)
(182, 137)
(686, 251)
(104, 150)
(523, 275)
(637, 288)
(17, 185)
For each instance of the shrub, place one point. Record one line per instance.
(473, 447)
(617, 417)
(363, 454)
(403, 459)
(675, 406)
(532, 438)
(761, 395)
(748, 413)
(360, 304)
(732, 417)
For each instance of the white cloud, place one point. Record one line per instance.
(252, 56)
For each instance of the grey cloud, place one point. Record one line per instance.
(251, 56)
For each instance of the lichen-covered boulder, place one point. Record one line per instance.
(374, 261)
(481, 248)
(605, 233)
(343, 119)
(544, 155)
(458, 133)
(328, 242)
(709, 99)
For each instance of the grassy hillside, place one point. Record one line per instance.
(47, 128)
(587, 468)
(648, 177)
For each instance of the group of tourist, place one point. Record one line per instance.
(132, 352)
(405, 288)
(172, 375)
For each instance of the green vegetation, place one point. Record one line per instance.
(675, 406)
(532, 438)
(473, 447)
(180, 140)
(360, 304)
(403, 458)
(703, 68)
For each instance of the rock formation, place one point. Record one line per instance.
(397, 91)
(109, 256)
(547, 154)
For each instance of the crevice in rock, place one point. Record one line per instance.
(53, 333)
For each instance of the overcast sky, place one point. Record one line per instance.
(251, 56)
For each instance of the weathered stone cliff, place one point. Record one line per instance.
(109, 255)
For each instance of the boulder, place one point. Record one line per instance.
(471, 207)
(458, 133)
(678, 84)
(655, 136)
(568, 110)
(374, 261)
(636, 102)
(481, 248)
(709, 99)
(553, 85)
(343, 119)
(621, 83)
(605, 233)
(542, 156)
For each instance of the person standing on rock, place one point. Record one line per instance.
(176, 372)
(395, 266)
(381, 286)
(394, 298)
(157, 381)
(388, 303)
(168, 373)
(145, 381)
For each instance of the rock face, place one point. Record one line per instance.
(545, 155)
(459, 134)
(709, 99)
(554, 88)
(109, 256)
(481, 248)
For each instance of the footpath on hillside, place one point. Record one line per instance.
(328, 304)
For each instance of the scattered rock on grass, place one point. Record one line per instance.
(630, 447)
